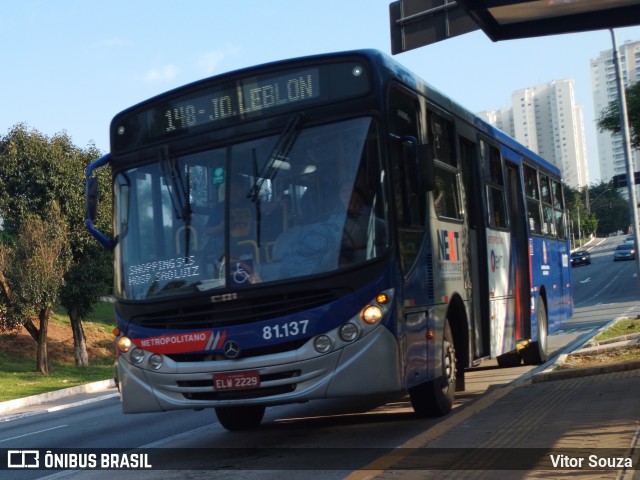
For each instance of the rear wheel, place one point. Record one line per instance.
(240, 418)
(536, 352)
(435, 398)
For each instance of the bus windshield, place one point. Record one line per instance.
(303, 202)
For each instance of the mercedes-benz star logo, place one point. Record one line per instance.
(231, 349)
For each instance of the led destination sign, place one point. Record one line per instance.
(247, 97)
(221, 103)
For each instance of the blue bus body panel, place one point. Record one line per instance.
(262, 334)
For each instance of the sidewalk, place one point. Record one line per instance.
(519, 431)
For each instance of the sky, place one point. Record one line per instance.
(71, 65)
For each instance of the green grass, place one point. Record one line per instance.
(19, 377)
(626, 326)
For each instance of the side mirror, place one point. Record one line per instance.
(420, 157)
(91, 202)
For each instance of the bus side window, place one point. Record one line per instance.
(494, 185)
(446, 197)
(533, 199)
(556, 189)
(549, 227)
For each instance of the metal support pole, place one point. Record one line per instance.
(626, 143)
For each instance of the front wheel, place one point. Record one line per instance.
(243, 417)
(435, 398)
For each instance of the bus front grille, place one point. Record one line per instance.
(239, 311)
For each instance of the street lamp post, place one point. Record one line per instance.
(624, 130)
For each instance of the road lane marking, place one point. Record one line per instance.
(180, 436)
(56, 408)
(33, 433)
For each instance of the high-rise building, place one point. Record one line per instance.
(603, 79)
(546, 119)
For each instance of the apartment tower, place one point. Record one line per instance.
(546, 119)
(603, 79)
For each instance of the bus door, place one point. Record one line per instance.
(405, 112)
(477, 243)
(519, 251)
(500, 271)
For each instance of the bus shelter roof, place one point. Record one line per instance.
(504, 20)
(416, 23)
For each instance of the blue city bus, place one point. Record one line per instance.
(329, 226)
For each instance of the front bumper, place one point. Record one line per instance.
(370, 365)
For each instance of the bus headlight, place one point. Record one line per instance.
(155, 361)
(371, 314)
(322, 344)
(123, 344)
(348, 332)
(136, 356)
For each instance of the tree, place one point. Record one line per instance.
(36, 171)
(611, 209)
(609, 118)
(31, 275)
(608, 211)
(582, 223)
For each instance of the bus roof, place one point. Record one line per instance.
(388, 68)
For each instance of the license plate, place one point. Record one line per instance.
(236, 380)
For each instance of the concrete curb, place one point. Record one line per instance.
(622, 338)
(55, 395)
(553, 373)
(590, 347)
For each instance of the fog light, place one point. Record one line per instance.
(155, 361)
(371, 314)
(136, 356)
(348, 332)
(322, 344)
(124, 344)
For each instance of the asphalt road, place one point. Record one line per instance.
(605, 281)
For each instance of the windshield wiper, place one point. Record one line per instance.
(179, 194)
(269, 170)
(279, 153)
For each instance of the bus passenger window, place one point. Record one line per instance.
(545, 191)
(530, 183)
(494, 185)
(549, 227)
(533, 200)
(446, 200)
(556, 193)
(533, 214)
(445, 195)
(497, 208)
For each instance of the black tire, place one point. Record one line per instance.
(536, 352)
(435, 398)
(240, 418)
